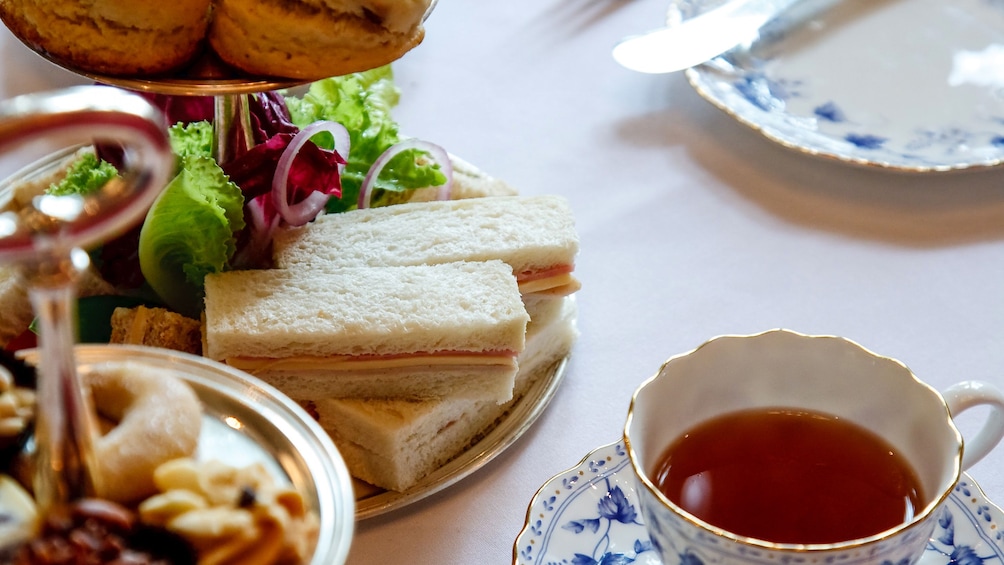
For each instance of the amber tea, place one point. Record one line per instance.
(789, 476)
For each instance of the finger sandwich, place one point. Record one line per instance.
(419, 331)
(395, 444)
(534, 235)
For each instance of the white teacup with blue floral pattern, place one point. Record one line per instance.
(817, 373)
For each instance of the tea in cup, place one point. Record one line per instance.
(781, 446)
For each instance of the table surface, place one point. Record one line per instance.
(691, 226)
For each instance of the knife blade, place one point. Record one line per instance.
(698, 39)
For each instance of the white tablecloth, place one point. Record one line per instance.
(692, 226)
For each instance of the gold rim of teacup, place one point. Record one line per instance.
(918, 519)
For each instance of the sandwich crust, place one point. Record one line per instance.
(531, 234)
(395, 444)
(312, 333)
(371, 311)
(485, 383)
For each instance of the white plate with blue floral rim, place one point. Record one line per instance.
(906, 85)
(588, 515)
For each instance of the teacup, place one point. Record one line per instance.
(819, 375)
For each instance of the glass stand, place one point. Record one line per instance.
(46, 238)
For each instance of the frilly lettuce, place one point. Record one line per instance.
(195, 138)
(189, 232)
(362, 102)
(86, 175)
(198, 224)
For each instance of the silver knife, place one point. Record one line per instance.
(698, 39)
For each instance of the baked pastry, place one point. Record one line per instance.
(300, 39)
(312, 39)
(118, 37)
(155, 417)
(156, 327)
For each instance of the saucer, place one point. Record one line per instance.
(907, 85)
(588, 515)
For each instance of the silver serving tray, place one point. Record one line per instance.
(245, 421)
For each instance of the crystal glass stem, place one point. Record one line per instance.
(65, 426)
(45, 233)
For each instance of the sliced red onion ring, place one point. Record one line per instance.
(307, 209)
(259, 224)
(261, 231)
(438, 154)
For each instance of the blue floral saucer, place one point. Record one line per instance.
(910, 85)
(588, 515)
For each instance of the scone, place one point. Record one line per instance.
(115, 37)
(313, 39)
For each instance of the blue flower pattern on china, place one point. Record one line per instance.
(589, 515)
(770, 95)
(613, 508)
(830, 112)
(595, 505)
(758, 86)
(943, 542)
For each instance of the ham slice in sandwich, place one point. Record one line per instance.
(422, 331)
(403, 445)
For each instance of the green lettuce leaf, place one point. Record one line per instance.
(84, 176)
(195, 138)
(362, 102)
(189, 232)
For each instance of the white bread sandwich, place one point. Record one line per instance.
(395, 444)
(407, 332)
(534, 235)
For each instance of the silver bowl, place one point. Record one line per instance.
(247, 421)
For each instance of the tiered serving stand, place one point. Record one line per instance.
(241, 413)
(231, 89)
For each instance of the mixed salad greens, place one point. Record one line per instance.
(332, 149)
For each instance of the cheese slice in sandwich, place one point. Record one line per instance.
(395, 444)
(535, 235)
(422, 331)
